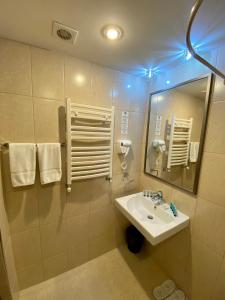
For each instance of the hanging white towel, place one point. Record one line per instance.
(49, 158)
(194, 147)
(22, 159)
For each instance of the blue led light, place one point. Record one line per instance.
(188, 55)
(150, 73)
(128, 86)
(168, 82)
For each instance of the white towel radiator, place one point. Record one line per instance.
(90, 131)
(179, 142)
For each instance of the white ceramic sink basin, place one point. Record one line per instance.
(156, 223)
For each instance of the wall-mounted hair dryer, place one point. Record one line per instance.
(124, 148)
(159, 145)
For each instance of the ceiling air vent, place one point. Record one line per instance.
(64, 32)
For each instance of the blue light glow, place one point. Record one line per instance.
(150, 73)
(129, 86)
(168, 82)
(188, 55)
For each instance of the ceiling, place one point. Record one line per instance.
(154, 30)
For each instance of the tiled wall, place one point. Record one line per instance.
(195, 258)
(8, 279)
(51, 230)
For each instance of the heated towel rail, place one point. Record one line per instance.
(89, 142)
(179, 142)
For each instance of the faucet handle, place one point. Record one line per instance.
(160, 194)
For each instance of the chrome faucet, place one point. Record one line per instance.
(157, 197)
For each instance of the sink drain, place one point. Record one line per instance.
(150, 217)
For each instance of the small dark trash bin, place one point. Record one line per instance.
(134, 239)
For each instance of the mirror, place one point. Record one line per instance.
(176, 130)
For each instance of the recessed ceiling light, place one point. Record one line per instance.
(112, 32)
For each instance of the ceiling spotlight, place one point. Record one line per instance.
(112, 32)
(188, 55)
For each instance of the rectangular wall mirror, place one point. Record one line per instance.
(176, 130)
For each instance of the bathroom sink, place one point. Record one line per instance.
(156, 223)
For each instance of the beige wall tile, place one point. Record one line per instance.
(136, 125)
(55, 265)
(49, 127)
(6, 245)
(16, 122)
(101, 222)
(122, 185)
(11, 269)
(54, 238)
(220, 287)
(4, 286)
(101, 193)
(204, 270)
(117, 159)
(122, 94)
(15, 65)
(178, 246)
(78, 80)
(102, 81)
(78, 255)
(101, 244)
(209, 225)
(216, 124)
(26, 246)
(212, 178)
(22, 209)
(30, 276)
(140, 94)
(4, 225)
(219, 90)
(78, 228)
(117, 126)
(51, 202)
(78, 201)
(47, 74)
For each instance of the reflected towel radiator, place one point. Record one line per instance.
(89, 142)
(179, 142)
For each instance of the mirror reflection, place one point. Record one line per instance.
(175, 133)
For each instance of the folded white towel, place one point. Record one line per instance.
(49, 158)
(22, 159)
(194, 147)
(164, 290)
(177, 295)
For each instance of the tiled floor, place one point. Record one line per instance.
(115, 275)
